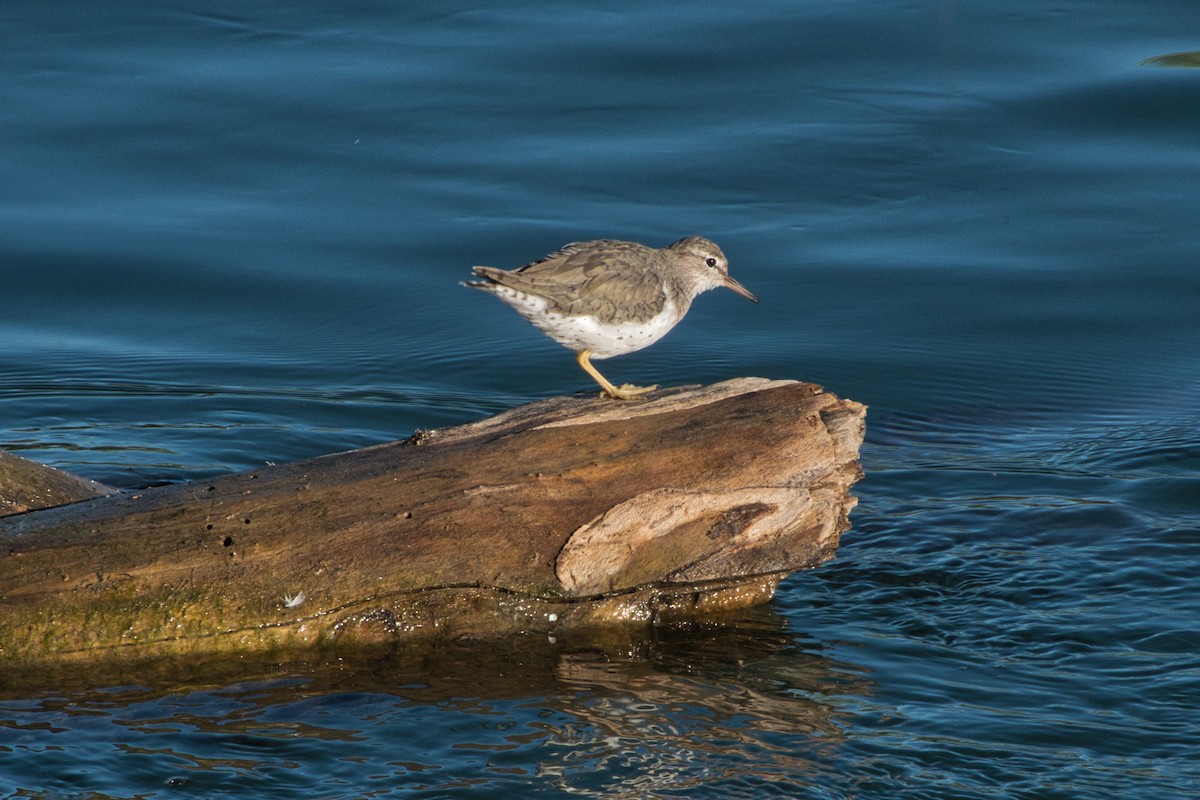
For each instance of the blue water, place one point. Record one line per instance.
(232, 234)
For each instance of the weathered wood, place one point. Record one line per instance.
(557, 515)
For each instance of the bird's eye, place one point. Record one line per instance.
(712, 262)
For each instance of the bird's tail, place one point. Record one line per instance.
(486, 273)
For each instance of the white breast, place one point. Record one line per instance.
(585, 332)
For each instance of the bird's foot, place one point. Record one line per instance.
(628, 391)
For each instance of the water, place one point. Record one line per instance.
(232, 236)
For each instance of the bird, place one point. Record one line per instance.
(607, 297)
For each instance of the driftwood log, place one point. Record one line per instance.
(557, 516)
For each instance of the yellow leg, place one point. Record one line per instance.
(625, 392)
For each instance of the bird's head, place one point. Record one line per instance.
(707, 265)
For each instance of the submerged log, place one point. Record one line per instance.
(555, 516)
(27, 486)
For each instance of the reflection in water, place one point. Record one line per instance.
(695, 708)
(729, 703)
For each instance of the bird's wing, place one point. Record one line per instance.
(593, 278)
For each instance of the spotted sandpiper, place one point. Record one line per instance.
(607, 298)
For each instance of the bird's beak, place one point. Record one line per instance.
(730, 283)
